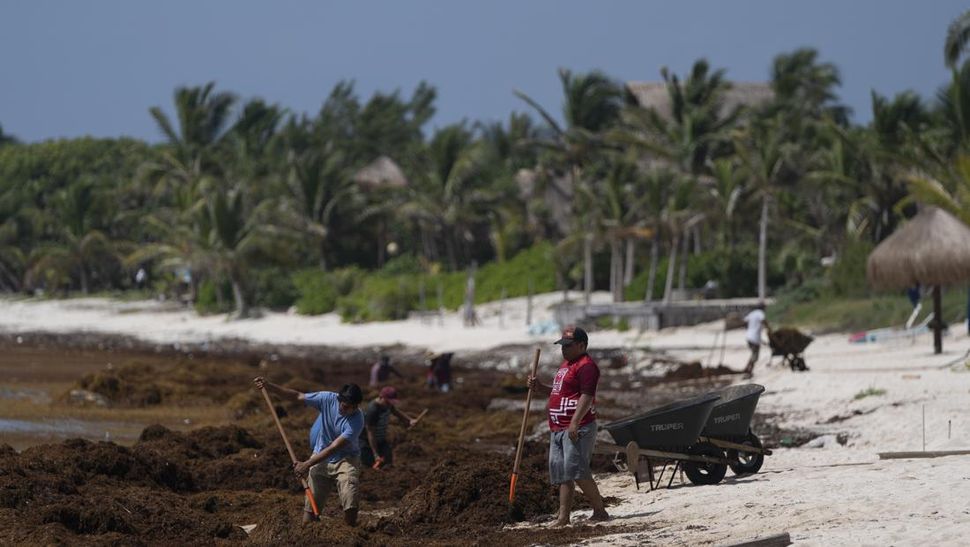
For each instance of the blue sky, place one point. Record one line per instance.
(73, 68)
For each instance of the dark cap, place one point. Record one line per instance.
(350, 394)
(572, 334)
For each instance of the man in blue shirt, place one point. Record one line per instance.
(335, 459)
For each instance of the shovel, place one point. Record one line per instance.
(525, 420)
(279, 426)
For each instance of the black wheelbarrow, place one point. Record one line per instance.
(789, 344)
(669, 434)
(703, 436)
(729, 427)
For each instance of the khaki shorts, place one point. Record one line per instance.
(324, 476)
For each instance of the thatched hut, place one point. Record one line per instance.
(381, 173)
(932, 249)
(655, 95)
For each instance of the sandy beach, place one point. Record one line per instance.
(857, 400)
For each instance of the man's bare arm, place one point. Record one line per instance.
(261, 382)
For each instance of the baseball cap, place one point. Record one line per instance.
(572, 334)
(389, 394)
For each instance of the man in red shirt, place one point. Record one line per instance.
(572, 422)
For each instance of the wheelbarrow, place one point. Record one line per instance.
(729, 427)
(789, 344)
(693, 434)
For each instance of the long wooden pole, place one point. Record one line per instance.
(525, 421)
(289, 448)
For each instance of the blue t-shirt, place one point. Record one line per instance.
(330, 425)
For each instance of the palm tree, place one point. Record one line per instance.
(724, 194)
(450, 195)
(191, 158)
(317, 186)
(507, 158)
(14, 215)
(957, 36)
(805, 91)
(686, 139)
(951, 193)
(591, 105)
(82, 249)
(764, 155)
(203, 119)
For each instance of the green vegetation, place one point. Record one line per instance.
(395, 290)
(362, 209)
(869, 392)
(825, 312)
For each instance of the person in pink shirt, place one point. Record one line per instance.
(572, 423)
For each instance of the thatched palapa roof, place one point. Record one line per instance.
(931, 249)
(654, 95)
(381, 173)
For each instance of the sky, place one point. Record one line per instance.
(73, 68)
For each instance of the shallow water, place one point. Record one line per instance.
(23, 433)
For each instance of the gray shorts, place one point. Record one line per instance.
(568, 460)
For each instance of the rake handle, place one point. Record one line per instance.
(289, 448)
(418, 419)
(525, 421)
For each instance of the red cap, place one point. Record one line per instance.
(389, 394)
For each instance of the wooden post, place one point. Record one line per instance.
(421, 299)
(937, 320)
(441, 305)
(528, 305)
(587, 267)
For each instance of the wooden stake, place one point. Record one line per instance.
(525, 420)
(289, 448)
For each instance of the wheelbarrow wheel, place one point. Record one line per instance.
(703, 472)
(746, 463)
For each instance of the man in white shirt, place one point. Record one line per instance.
(755, 319)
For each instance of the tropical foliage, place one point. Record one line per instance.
(365, 209)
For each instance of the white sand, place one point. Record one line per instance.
(834, 495)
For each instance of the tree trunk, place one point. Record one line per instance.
(697, 240)
(587, 267)
(628, 270)
(652, 275)
(616, 270)
(669, 282)
(242, 310)
(12, 284)
(763, 249)
(84, 279)
(682, 283)
(613, 269)
(450, 249)
(381, 245)
(323, 255)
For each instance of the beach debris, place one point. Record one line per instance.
(826, 441)
(85, 397)
(776, 540)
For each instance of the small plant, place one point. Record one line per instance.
(872, 391)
